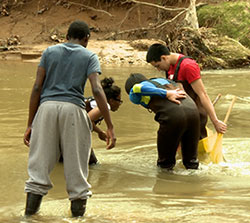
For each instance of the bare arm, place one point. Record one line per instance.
(199, 89)
(34, 102)
(94, 115)
(101, 101)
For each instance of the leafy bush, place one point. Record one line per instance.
(228, 18)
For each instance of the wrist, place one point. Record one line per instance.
(110, 126)
(215, 121)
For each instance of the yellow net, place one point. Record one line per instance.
(212, 144)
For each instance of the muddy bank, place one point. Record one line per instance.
(28, 27)
(227, 54)
(118, 52)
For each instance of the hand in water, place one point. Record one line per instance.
(111, 139)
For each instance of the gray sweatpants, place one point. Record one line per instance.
(60, 127)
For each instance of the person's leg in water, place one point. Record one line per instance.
(43, 155)
(92, 158)
(75, 140)
(189, 142)
(168, 139)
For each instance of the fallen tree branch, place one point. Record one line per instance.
(171, 20)
(91, 8)
(154, 5)
(112, 35)
(126, 16)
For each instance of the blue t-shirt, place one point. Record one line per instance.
(141, 93)
(67, 67)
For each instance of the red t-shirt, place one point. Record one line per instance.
(189, 70)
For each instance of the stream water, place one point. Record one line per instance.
(127, 186)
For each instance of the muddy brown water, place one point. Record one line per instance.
(127, 186)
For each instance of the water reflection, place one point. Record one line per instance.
(127, 185)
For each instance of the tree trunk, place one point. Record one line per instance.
(191, 19)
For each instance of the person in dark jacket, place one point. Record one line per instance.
(176, 114)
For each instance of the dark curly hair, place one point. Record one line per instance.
(111, 90)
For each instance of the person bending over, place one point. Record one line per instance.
(113, 95)
(180, 68)
(176, 114)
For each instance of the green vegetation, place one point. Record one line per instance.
(228, 18)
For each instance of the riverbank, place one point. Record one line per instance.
(133, 52)
(119, 52)
(28, 27)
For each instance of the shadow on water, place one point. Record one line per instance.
(127, 186)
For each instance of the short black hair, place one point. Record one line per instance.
(133, 79)
(155, 52)
(78, 30)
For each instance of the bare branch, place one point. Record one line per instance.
(112, 35)
(126, 16)
(91, 8)
(154, 5)
(171, 20)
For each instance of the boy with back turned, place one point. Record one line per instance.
(58, 122)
